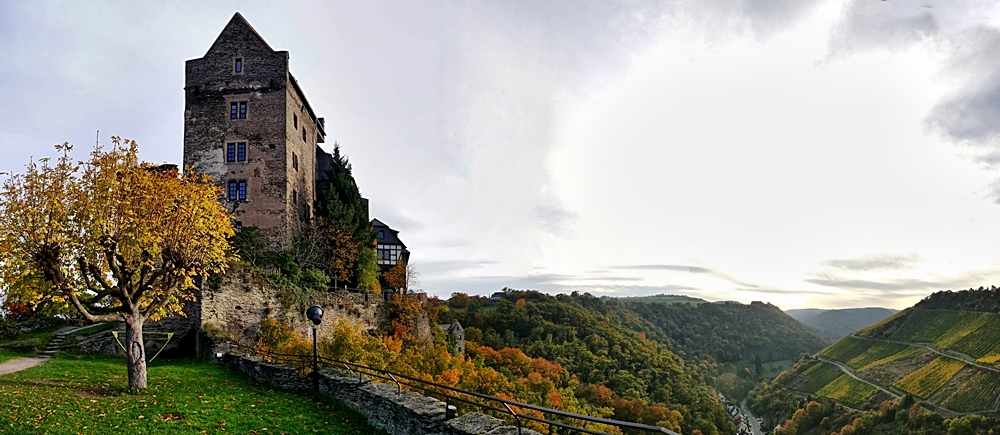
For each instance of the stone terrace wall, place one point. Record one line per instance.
(397, 412)
(243, 299)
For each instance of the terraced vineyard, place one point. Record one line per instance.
(925, 381)
(877, 351)
(848, 391)
(892, 353)
(905, 352)
(847, 348)
(819, 375)
(977, 394)
(934, 326)
(982, 342)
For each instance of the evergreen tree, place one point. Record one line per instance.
(343, 220)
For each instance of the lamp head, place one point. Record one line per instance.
(315, 314)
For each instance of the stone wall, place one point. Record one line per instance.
(244, 298)
(398, 412)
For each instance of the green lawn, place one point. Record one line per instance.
(70, 395)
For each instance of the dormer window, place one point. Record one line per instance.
(238, 65)
(381, 234)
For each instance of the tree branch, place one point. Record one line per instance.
(85, 313)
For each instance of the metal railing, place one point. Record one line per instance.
(448, 394)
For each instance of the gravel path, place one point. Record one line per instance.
(18, 364)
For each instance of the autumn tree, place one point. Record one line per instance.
(401, 276)
(114, 238)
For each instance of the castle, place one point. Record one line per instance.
(248, 124)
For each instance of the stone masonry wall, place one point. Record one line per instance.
(244, 299)
(398, 412)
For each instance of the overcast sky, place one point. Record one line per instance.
(827, 153)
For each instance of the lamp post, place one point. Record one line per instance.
(315, 314)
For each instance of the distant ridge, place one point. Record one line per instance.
(835, 324)
(666, 299)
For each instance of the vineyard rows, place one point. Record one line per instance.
(878, 351)
(934, 326)
(907, 351)
(946, 381)
(977, 394)
(984, 341)
(849, 391)
(925, 380)
(847, 348)
(819, 375)
(972, 333)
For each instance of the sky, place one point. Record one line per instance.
(828, 153)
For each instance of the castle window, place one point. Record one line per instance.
(237, 190)
(303, 133)
(295, 162)
(295, 197)
(381, 234)
(238, 65)
(238, 110)
(236, 152)
(295, 121)
(239, 226)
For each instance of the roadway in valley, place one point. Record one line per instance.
(754, 425)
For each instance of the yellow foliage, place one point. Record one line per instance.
(989, 359)
(112, 236)
(927, 379)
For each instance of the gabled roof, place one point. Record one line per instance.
(234, 26)
(392, 238)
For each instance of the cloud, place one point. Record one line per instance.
(441, 267)
(670, 267)
(876, 262)
(689, 269)
(966, 115)
(551, 284)
(874, 25)
(888, 285)
(969, 112)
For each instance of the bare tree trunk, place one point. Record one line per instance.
(136, 351)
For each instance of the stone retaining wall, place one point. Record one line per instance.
(398, 412)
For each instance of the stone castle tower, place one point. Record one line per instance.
(248, 124)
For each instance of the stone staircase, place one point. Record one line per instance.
(55, 344)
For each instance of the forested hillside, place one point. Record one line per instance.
(600, 342)
(731, 332)
(648, 353)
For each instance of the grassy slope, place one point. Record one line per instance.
(72, 395)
